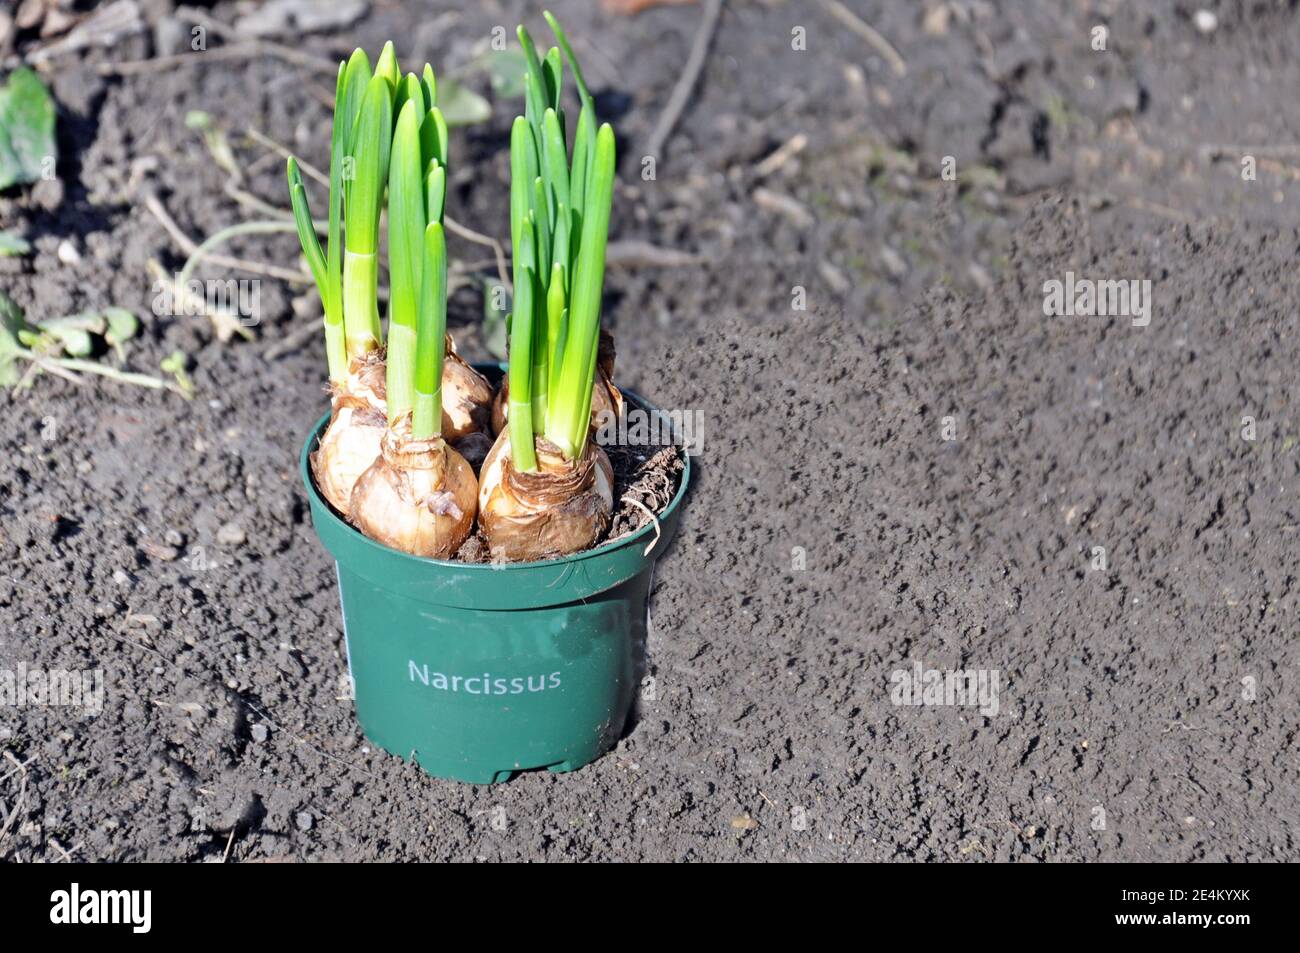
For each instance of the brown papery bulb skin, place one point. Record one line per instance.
(418, 496)
(466, 397)
(563, 507)
(350, 443)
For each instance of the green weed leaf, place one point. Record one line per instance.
(26, 128)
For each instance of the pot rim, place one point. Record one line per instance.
(642, 534)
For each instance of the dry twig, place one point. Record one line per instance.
(690, 75)
(868, 33)
(189, 247)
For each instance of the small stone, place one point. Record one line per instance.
(173, 538)
(834, 278)
(936, 20)
(159, 551)
(260, 733)
(68, 253)
(231, 534)
(121, 578)
(979, 277)
(893, 262)
(307, 305)
(1205, 21)
(304, 821)
(786, 206)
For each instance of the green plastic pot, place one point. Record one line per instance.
(478, 671)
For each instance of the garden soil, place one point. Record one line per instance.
(906, 465)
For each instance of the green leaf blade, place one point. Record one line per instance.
(430, 347)
(570, 424)
(307, 231)
(584, 94)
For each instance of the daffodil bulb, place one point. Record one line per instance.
(562, 507)
(350, 443)
(418, 496)
(466, 397)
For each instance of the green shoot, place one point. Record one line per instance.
(535, 101)
(570, 421)
(327, 267)
(557, 317)
(406, 226)
(520, 413)
(435, 193)
(307, 232)
(553, 72)
(559, 225)
(540, 218)
(386, 65)
(584, 95)
(357, 77)
(540, 356)
(427, 417)
(409, 90)
(363, 198)
(417, 193)
(557, 163)
(430, 84)
(389, 138)
(582, 143)
(433, 137)
(523, 170)
(560, 248)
